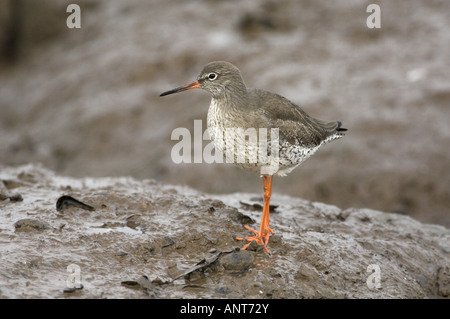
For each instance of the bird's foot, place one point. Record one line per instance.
(261, 237)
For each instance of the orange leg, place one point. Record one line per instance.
(262, 236)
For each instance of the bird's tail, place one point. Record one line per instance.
(340, 128)
(332, 130)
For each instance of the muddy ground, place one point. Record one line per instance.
(144, 239)
(85, 102)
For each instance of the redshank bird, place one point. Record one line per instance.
(233, 106)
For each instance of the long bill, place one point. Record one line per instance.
(189, 86)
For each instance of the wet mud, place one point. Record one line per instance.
(144, 239)
(85, 103)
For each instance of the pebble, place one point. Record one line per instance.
(223, 290)
(168, 242)
(29, 224)
(237, 260)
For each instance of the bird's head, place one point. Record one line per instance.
(218, 78)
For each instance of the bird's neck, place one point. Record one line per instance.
(234, 95)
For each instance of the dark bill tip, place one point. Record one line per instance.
(189, 86)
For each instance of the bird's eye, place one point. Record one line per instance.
(212, 76)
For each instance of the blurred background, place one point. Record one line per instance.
(85, 102)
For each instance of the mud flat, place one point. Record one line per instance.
(144, 239)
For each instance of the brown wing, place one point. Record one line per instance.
(294, 124)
